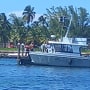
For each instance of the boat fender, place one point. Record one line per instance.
(70, 61)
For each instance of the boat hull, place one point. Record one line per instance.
(60, 59)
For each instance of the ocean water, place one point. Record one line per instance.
(20, 77)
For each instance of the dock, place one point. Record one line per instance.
(21, 59)
(9, 54)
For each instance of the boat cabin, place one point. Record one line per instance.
(69, 45)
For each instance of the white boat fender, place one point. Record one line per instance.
(70, 61)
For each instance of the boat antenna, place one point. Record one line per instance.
(68, 28)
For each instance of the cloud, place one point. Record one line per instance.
(19, 14)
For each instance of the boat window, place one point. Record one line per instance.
(62, 47)
(57, 47)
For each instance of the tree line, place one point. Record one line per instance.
(26, 29)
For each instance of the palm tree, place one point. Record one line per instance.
(42, 21)
(35, 24)
(18, 32)
(4, 29)
(28, 14)
(43, 24)
(80, 22)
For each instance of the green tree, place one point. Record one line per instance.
(18, 30)
(53, 15)
(28, 14)
(83, 21)
(79, 21)
(4, 29)
(43, 26)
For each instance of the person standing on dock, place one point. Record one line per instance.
(27, 49)
(22, 48)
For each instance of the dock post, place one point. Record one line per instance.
(22, 49)
(18, 57)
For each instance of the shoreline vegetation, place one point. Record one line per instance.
(55, 21)
(8, 49)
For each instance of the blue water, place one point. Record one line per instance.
(17, 77)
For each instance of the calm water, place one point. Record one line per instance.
(15, 77)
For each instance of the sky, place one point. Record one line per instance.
(17, 6)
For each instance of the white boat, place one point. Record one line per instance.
(66, 53)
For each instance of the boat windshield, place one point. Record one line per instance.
(62, 47)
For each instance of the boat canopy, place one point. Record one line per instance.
(71, 41)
